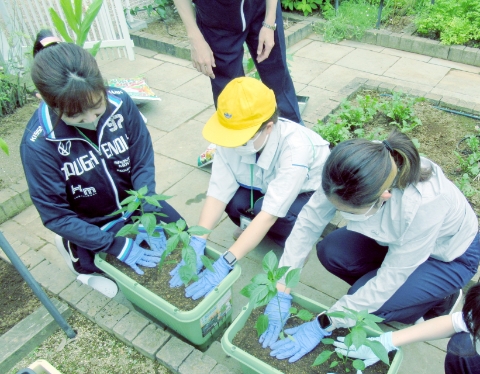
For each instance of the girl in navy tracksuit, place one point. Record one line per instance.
(83, 148)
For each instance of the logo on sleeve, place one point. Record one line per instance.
(64, 148)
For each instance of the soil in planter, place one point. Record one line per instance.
(247, 340)
(18, 299)
(157, 281)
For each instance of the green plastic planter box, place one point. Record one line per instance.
(197, 325)
(251, 364)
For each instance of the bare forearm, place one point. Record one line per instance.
(253, 234)
(211, 213)
(187, 14)
(270, 11)
(436, 328)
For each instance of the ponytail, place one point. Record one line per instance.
(357, 170)
(471, 312)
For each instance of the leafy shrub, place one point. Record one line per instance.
(468, 158)
(305, 6)
(454, 21)
(12, 93)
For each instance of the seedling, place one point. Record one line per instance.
(263, 288)
(178, 237)
(356, 337)
(400, 112)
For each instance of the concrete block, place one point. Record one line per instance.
(394, 40)
(28, 334)
(433, 98)
(370, 37)
(174, 353)
(476, 110)
(3, 215)
(435, 49)
(130, 326)
(449, 102)
(150, 340)
(371, 84)
(109, 316)
(477, 59)
(417, 93)
(386, 87)
(406, 43)
(75, 292)
(348, 92)
(383, 37)
(52, 278)
(418, 45)
(32, 258)
(216, 352)
(466, 106)
(20, 247)
(469, 55)
(402, 89)
(197, 363)
(5, 195)
(92, 303)
(455, 53)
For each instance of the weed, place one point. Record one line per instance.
(399, 109)
(468, 156)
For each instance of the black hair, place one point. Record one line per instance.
(66, 75)
(273, 118)
(357, 169)
(471, 312)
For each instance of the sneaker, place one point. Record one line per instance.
(206, 157)
(70, 255)
(236, 234)
(446, 307)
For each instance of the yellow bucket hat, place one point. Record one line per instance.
(243, 105)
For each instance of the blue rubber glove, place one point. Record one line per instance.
(198, 244)
(305, 338)
(157, 244)
(365, 353)
(135, 255)
(208, 280)
(275, 323)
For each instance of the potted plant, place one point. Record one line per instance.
(260, 291)
(200, 324)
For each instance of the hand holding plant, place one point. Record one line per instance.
(198, 244)
(278, 312)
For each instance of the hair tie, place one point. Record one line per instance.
(388, 146)
(45, 42)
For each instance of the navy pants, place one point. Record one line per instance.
(87, 257)
(461, 356)
(355, 258)
(226, 42)
(282, 227)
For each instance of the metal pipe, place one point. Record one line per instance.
(39, 292)
(457, 112)
(336, 7)
(379, 18)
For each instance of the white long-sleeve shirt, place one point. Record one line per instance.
(430, 219)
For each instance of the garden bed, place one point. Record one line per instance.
(437, 137)
(247, 340)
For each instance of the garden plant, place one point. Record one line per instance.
(179, 238)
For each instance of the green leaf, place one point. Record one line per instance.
(128, 200)
(293, 277)
(90, 15)
(150, 200)
(372, 325)
(133, 206)
(328, 341)
(185, 238)
(373, 318)
(190, 257)
(198, 230)
(60, 25)
(207, 263)
(379, 350)
(348, 340)
(4, 146)
(181, 224)
(78, 11)
(358, 364)
(143, 190)
(172, 243)
(67, 8)
(359, 336)
(293, 310)
(186, 274)
(281, 272)
(149, 222)
(260, 279)
(336, 314)
(161, 197)
(305, 315)
(248, 289)
(322, 357)
(270, 262)
(258, 294)
(262, 324)
(125, 230)
(170, 228)
(333, 364)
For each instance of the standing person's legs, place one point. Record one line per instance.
(274, 70)
(461, 356)
(350, 255)
(282, 228)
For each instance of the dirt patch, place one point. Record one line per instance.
(92, 351)
(157, 281)
(247, 339)
(18, 299)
